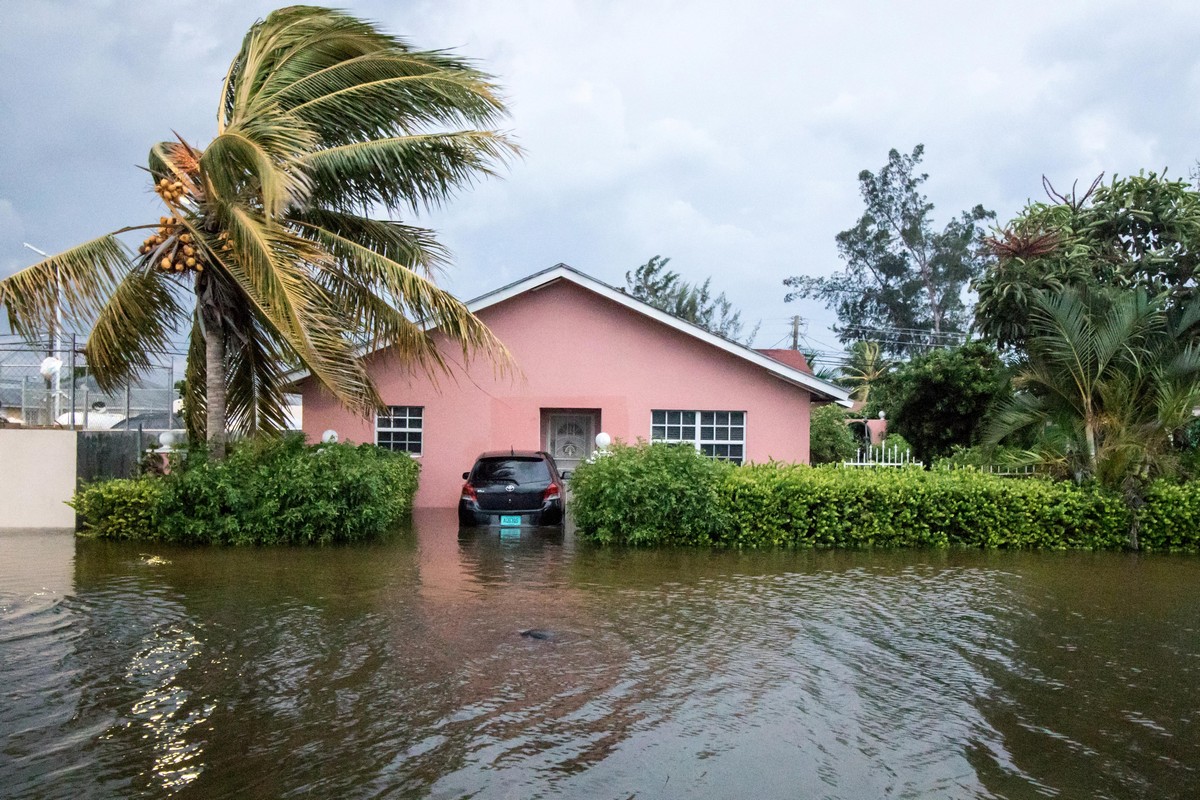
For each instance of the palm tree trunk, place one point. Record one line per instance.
(214, 370)
(1135, 499)
(1089, 433)
(214, 367)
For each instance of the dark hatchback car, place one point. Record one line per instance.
(511, 488)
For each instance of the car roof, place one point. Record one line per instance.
(514, 454)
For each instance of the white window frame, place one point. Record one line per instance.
(419, 428)
(696, 421)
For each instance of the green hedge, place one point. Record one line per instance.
(268, 491)
(119, 509)
(1170, 520)
(650, 494)
(640, 496)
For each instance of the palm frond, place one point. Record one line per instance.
(404, 172)
(256, 376)
(140, 317)
(272, 268)
(195, 398)
(261, 155)
(75, 282)
(390, 94)
(415, 294)
(416, 248)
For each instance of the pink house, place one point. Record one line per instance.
(589, 358)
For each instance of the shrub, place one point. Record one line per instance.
(650, 494)
(276, 491)
(1170, 519)
(653, 494)
(829, 438)
(800, 506)
(119, 509)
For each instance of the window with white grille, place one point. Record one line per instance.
(399, 428)
(717, 434)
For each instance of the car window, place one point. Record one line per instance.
(511, 470)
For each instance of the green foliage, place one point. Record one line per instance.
(983, 456)
(830, 506)
(668, 494)
(650, 494)
(901, 275)
(1138, 231)
(667, 291)
(829, 437)
(940, 400)
(119, 509)
(268, 491)
(1170, 518)
(1108, 385)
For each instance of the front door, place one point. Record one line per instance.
(570, 436)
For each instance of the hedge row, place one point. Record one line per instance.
(650, 494)
(266, 492)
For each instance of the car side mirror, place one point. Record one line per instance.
(466, 475)
(566, 475)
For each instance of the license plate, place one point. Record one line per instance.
(510, 533)
(510, 520)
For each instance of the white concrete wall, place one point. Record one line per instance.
(37, 477)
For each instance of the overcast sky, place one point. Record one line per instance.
(727, 136)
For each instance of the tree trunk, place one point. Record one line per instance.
(1134, 500)
(214, 374)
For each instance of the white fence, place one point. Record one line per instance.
(882, 457)
(68, 396)
(1003, 470)
(895, 457)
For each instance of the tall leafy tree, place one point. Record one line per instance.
(904, 280)
(667, 291)
(1110, 380)
(1138, 231)
(321, 118)
(942, 399)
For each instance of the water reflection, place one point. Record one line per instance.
(398, 670)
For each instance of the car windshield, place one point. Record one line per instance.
(512, 470)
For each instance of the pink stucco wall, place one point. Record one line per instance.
(574, 349)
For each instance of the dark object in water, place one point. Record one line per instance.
(538, 633)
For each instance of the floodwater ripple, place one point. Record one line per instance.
(399, 670)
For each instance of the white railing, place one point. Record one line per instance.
(1002, 470)
(882, 457)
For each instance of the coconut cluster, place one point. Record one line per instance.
(170, 191)
(172, 247)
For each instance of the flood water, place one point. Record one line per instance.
(399, 670)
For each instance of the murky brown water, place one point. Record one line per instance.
(398, 670)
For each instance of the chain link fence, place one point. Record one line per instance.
(47, 384)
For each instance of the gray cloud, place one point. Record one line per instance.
(727, 136)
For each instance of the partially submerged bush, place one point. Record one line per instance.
(276, 491)
(119, 509)
(650, 494)
(777, 504)
(658, 494)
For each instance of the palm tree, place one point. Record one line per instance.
(865, 367)
(1109, 379)
(321, 118)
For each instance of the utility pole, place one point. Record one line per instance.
(796, 332)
